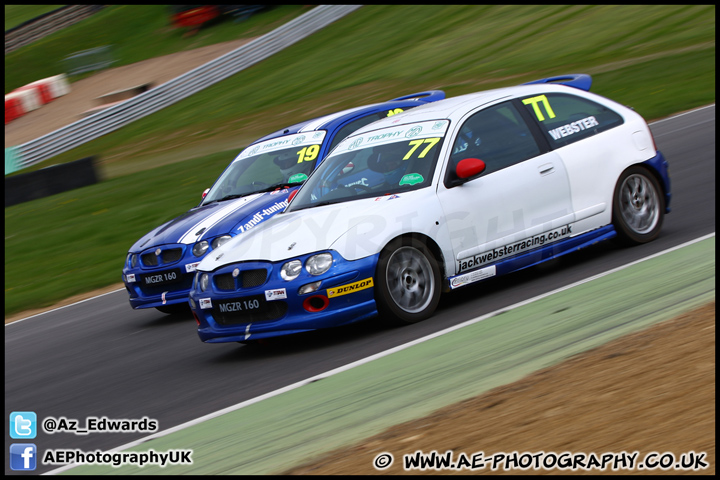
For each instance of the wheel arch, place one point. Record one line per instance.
(648, 167)
(430, 243)
(626, 234)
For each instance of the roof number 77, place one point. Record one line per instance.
(416, 143)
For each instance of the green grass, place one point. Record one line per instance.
(135, 33)
(86, 248)
(657, 59)
(17, 14)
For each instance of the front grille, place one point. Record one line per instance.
(272, 311)
(253, 278)
(171, 255)
(248, 279)
(225, 281)
(149, 259)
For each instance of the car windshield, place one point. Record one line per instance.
(381, 162)
(282, 161)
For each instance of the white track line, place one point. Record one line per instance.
(64, 306)
(683, 114)
(59, 308)
(378, 355)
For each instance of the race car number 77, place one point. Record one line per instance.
(416, 143)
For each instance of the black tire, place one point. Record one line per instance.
(408, 282)
(638, 206)
(175, 309)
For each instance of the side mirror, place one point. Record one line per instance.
(204, 194)
(467, 169)
(292, 195)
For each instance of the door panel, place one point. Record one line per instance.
(488, 216)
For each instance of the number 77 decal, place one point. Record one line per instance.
(416, 143)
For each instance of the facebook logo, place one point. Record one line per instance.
(23, 425)
(23, 456)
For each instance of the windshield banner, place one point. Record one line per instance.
(287, 141)
(432, 128)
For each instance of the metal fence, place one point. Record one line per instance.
(89, 60)
(117, 116)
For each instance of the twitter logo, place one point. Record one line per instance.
(23, 425)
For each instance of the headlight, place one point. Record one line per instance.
(133, 260)
(318, 264)
(200, 248)
(204, 279)
(220, 241)
(291, 270)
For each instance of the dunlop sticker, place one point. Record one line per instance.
(350, 288)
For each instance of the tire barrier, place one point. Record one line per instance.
(50, 181)
(33, 95)
(119, 115)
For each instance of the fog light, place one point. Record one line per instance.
(309, 288)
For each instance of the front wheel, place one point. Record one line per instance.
(638, 206)
(408, 282)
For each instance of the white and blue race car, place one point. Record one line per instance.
(436, 198)
(160, 267)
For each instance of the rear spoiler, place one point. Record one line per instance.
(577, 80)
(429, 96)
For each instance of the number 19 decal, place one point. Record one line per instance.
(416, 143)
(308, 154)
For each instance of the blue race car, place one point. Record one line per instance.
(160, 267)
(440, 197)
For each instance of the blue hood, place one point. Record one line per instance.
(206, 222)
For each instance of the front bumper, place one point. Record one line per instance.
(235, 314)
(166, 282)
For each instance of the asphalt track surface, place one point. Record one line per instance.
(101, 358)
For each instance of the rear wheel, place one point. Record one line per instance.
(638, 206)
(408, 282)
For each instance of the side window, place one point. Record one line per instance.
(496, 135)
(565, 118)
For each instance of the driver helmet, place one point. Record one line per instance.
(287, 162)
(390, 164)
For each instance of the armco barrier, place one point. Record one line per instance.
(49, 181)
(46, 24)
(112, 118)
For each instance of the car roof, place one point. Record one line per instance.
(455, 107)
(328, 122)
